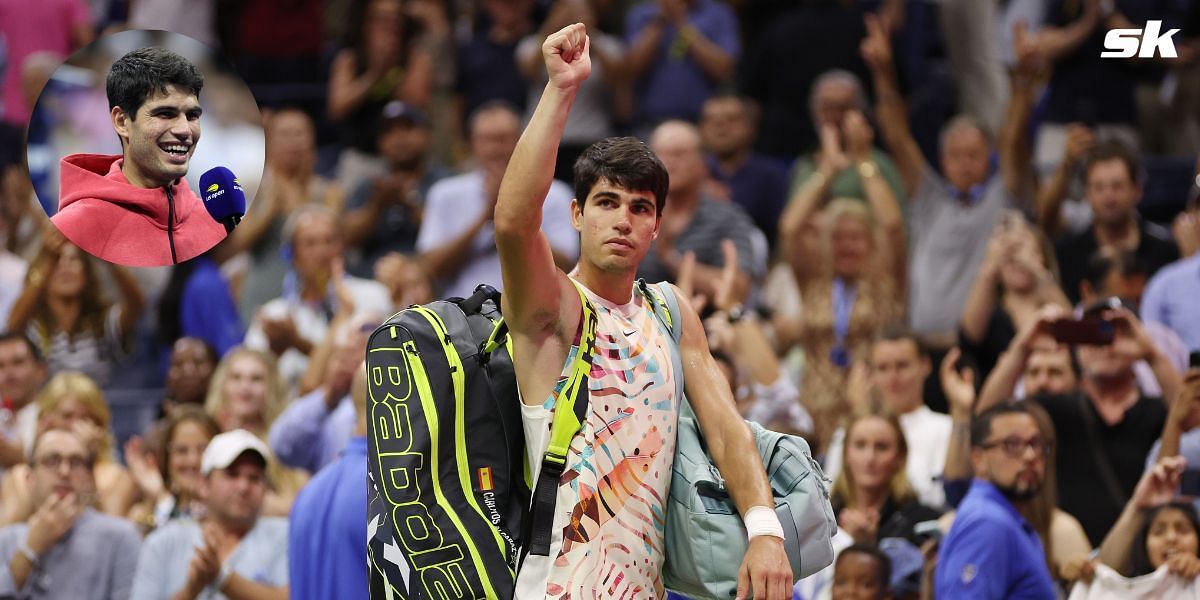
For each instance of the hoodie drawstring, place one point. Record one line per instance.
(171, 224)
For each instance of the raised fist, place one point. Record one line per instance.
(566, 54)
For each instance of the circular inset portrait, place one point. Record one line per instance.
(145, 148)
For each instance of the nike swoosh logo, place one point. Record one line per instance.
(628, 333)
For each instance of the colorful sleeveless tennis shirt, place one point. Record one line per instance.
(609, 517)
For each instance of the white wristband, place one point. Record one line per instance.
(761, 520)
(224, 575)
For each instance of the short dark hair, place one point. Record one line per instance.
(981, 425)
(625, 161)
(1114, 150)
(1126, 263)
(15, 336)
(145, 71)
(885, 563)
(898, 333)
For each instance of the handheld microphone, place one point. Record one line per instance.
(223, 197)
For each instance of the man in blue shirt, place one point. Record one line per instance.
(992, 551)
(327, 550)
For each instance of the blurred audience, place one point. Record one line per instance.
(23, 370)
(169, 480)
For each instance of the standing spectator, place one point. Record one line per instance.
(289, 182)
(487, 62)
(850, 278)
(899, 367)
(66, 549)
(694, 221)
(234, 552)
(756, 183)
(314, 290)
(383, 64)
(604, 97)
(73, 402)
(198, 302)
(680, 52)
(62, 309)
(246, 393)
(1167, 295)
(1114, 180)
(456, 244)
(23, 370)
(384, 214)
(169, 480)
(991, 550)
(329, 521)
(56, 26)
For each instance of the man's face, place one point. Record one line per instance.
(1048, 370)
(678, 147)
(403, 144)
(20, 374)
(725, 127)
(965, 157)
(898, 371)
(833, 100)
(290, 140)
(616, 228)
(1111, 192)
(190, 370)
(315, 243)
(61, 466)
(493, 139)
(160, 141)
(1018, 471)
(234, 495)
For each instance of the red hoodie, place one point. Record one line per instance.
(102, 213)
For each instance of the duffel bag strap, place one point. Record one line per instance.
(569, 416)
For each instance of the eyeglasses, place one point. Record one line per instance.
(52, 462)
(1015, 447)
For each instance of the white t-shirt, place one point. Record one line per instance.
(1111, 585)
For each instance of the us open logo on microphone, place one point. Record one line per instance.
(1144, 43)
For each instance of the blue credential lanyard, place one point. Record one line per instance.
(844, 297)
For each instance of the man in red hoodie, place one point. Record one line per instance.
(136, 208)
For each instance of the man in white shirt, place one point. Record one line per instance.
(899, 367)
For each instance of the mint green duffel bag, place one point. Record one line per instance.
(705, 538)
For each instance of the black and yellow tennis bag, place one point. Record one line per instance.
(449, 512)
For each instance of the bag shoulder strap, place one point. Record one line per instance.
(569, 414)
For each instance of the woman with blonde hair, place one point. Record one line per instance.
(849, 261)
(247, 392)
(169, 479)
(72, 401)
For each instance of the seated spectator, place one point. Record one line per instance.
(694, 221)
(63, 310)
(329, 520)
(1170, 293)
(899, 367)
(22, 372)
(383, 63)
(73, 402)
(871, 495)
(198, 302)
(189, 371)
(1062, 537)
(862, 572)
(1113, 184)
(1107, 427)
(456, 245)
(991, 551)
(835, 94)
(289, 182)
(950, 215)
(66, 549)
(405, 279)
(1152, 550)
(314, 428)
(234, 551)
(246, 393)
(1018, 277)
(849, 278)
(680, 53)
(384, 213)
(169, 481)
(603, 99)
(291, 325)
(756, 183)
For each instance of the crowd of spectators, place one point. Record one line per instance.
(902, 221)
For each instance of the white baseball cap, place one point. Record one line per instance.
(227, 447)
